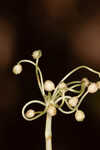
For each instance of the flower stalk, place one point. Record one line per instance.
(48, 132)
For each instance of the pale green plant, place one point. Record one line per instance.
(56, 97)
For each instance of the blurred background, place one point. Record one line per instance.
(68, 32)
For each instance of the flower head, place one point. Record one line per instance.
(17, 69)
(49, 85)
(79, 115)
(30, 113)
(98, 85)
(85, 81)
(73, 101)
(36, 54)
(92, 88)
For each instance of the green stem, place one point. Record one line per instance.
(48, 132)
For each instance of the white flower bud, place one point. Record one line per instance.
(30, 113)
(36, 54)
(17, 69)
(92, 88)
(51, 110)
(62, 86)
(79, 115)
(86, 82)
(73, 101)
(98, 85)
(49, 85)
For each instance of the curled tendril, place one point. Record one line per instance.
(65, 99)
(37, 114)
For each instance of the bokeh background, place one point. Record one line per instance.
(68, 32)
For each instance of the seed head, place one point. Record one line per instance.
(62, 86)
(79, 115)
(30, 113)
(98, 85)
(17, 69)
(49, 85)
(73, 101)
(92, 88)
(37, 54)
(86, 82)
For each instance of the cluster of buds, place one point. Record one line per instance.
(92, 86)
(54, 94)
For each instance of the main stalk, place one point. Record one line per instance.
(48, 132)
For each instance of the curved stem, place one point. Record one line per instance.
(39, 113)
(74, 86)
(65, 100)
(28, 61)
(48, 132)
(66, 112)
(73, 82)
(38, 76)
(82, 90)
(85, 94)
(78, 68)
(73, 71)
(62, 101)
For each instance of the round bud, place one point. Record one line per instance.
(73, 101)
(17, 69)
(92, 88)
(86, 82)
(62, 86)
(51, 110)
(79, 115)
(98, 85)
(36, 54)
(49, 85)
(30, 113)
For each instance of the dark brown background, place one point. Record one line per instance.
(68, 32)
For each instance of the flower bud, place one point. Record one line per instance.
(86, 82)
(30, 113)
(36, 54)
(62, 86)
(92, 88)
(51, 110)
(79, 115)
(49, 85)
(73, 101)
(98, 85)
(17, 69)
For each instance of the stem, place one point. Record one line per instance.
(48, 132)
(38, 74)
(73, 71)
